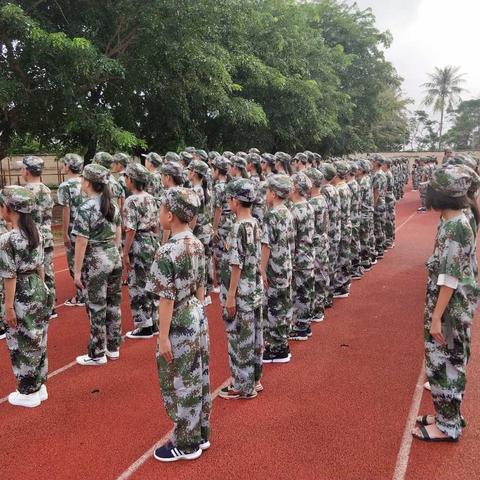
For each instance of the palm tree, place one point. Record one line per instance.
(443, 92)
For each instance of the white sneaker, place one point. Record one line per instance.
(30, 401)
(43, 393)
(427, 386)
(216, 290)
(207, 301)
(85, 360)
(205, 445)
(3, 335)
(319, 319)
(113, 355)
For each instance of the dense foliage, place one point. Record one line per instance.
(225, 74)
(465, 131)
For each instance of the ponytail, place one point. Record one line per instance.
(107, 208)
(29, 229)
(258, 169)
(243, 172)
(206, 193)
(473, 204)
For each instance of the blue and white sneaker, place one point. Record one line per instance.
(297, 334)
(169, 453)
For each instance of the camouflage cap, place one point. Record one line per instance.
(186, 157)
(317, 157)
(280, 184)
(172, 168)
(282, 156)
(353, 168)
(198, 166)
(191, 150)
(182, 202)
(241, 189)
(328, 170)
(104, 159)
(96, 173)
(172, 157)
(452, 180)
(202, 154)
(154, 158)
(242, 155)
(254, 158)
(213, 154)
(121, 158)
(315, 175)
(301, 183)
(301, 157)
(73, 161)
(228, 154)
(342, 168)
(380, 159)
(387, 161)
(17, 198)
(459, 159)
(136, 171)
(269, 158)
(254, 150)
(364, 165)
(309, 155)
(238, 162)
(32, 164)
(222, 163)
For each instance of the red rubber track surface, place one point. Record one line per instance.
(337, 411)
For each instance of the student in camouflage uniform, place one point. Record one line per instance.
(32, 168)
(343, 275)
(367, 239)
(120, 163)
(390, 202)
(379, 185)
(451, 301)
(333, 201)
(69, 196)
(242, 312)
(140, 222)
(303, 257)
(154, 187)
(320, 244)
(97, 266)
(268, 165)
(3, 229)
(172, 176)
(26, 304)
(116, 190)
(277, 243)
(223, 220)
(357, 270)
(177, 279)
(254, 168)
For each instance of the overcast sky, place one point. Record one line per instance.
(428, 34)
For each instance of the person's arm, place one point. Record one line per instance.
(200, 293)
(129, 237)
(80, 249)
(165, 313)
(231, 302)
(216, 221)
(65, 225)
(264, 263)
(444, 295)
(10, 286)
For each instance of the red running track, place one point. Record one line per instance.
(337, 411)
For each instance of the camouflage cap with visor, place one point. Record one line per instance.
(182, 202)
(32, 164)
(17, 198)
(453, 180)
(302, 183)
(122, 158)
(280, 184)
(172, 168)
(154, 158)
(73, 161)
(315, 175)
(96, 173)
(136, 171)
(198, 166)
(241, 189)
(104, 159)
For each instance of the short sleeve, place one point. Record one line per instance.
(130, 215)
(267, 232)
(236, 253)
(81, 225)
(161, 280)
(217, 197)
(8, 267)
(63, 196)
(450, 259)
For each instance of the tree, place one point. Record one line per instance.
(443, 92)
(465, 132)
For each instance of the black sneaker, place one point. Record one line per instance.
(344, 293)
(155, 329)
(141, 333)
(300, 335)
(3, 333)
(279, 356)
(54, 314)
(169, 453)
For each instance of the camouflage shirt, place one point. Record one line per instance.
(154, 186)
(219, 200)
(16, 256)
(122, 182)
(345, 195)
(91, 224)
(42, 211)
(140, 212)
(320, 209)
(203, 216)
(115, 189)
(355, 202)
(3, 226)
(333, 201)
(278, 235)
(366, 195)
(244, 249)
(379, 183)
(178, 270)
(303, 230)
(70, 195)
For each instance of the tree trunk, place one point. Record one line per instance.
(440, 130)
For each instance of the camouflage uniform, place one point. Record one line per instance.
(355, 247)
(244, 331)
(304, 255)
(366, 229)
(140, 213)
(3, 229)
(278, 236)
(176, 274)
(69, 195)
(390, 201)
(102, 269)
(116, 190)
(27, 342)
(379, 184)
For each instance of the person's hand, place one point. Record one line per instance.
(77, 280)
(231, 305)
(67, 242)
(436, 330)
(165, 349)
(10, 316)
(265, 280)
(215, 235)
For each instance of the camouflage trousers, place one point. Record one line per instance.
(204, 233)
(185, 383)
(355, 249)
(102, 274)
(332, 267)
(80, 295)
(322, 278)
(390, 223)
(278, 316)
(27, 342)
(143, 304)
(49, 276)
(379, 217)
(222, 265)
(367, 240)
(415, 181)
(245, 345)
(343, 273)
(303, 291)
(2, 305)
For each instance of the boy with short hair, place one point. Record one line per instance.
(177, 278)
(242, 311)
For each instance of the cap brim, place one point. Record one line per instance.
(145, 155)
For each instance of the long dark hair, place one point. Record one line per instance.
(243, 171)
(286, 165)
(473, 204)
(29, 229)
(258, 169)
(106, 205)
(439, 201)
(206, 192)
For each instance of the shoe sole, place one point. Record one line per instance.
(189, 456)
(112, 358)
(138, 337)
(282, 360)
(204, 446)
(299, 339)
(92, 364)
(318, 320)
(3, 337)
(345, 295)
(73, 304)
(24, 405)
(53, 316)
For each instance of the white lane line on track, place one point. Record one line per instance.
(405, 222)
(403, 456)
(149, 453)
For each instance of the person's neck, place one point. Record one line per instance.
(315, 192)
(71, 175)
(196, 181)
(277, 202)
(34, 180)
(137, 192)
(449, 213)
(92, 194)
(243, 213)
(179, 228)
(298, 199)
(14, 221)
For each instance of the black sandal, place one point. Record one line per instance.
(427, 438)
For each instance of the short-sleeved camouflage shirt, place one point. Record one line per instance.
(320, 209)
(42, 211)
(70, 195)
(219, 200)
(154, 186)
(304, 229)
(91, 224)
(140, 212)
